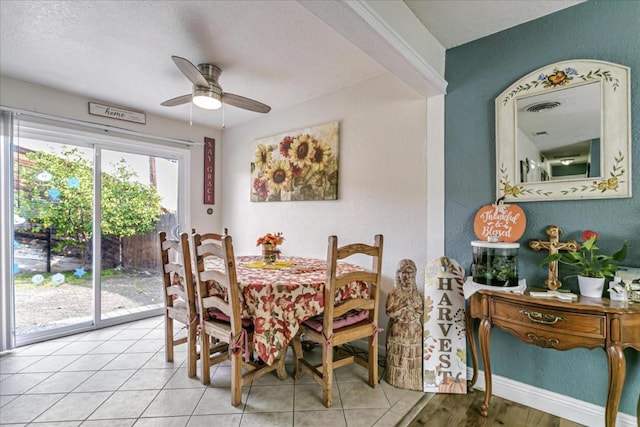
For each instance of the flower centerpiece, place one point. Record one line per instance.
(270, 243)
(589, 265)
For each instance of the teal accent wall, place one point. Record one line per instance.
(477, 73)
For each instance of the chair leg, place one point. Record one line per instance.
(205, 360)
(296, 344)
(280, 370)
(192, 355)
(373, 362)
(168, 338)
(236, 378)
(327, 375)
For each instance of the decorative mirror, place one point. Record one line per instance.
(564, 132)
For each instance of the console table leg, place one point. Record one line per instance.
(485, 334)
(471, 338)
(617, 368)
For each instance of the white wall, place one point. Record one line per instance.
(27, 96)
(382, 177)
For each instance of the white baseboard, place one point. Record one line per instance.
(556, 404)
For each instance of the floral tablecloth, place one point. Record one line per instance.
(278, 300)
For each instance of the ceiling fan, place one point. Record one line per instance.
(207, 92)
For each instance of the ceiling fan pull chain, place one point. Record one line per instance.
(222, 116)
(191, 114)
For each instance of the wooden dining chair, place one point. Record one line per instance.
(180, 300)
(351, 320)
(220, 314)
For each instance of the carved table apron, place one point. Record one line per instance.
(549, 323)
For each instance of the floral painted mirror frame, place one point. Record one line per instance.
(615, 176)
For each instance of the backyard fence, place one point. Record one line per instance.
(140, 252)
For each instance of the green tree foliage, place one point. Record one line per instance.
(69, 213)
(128, 207)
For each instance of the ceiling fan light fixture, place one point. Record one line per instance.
(206, 92)
(207, 98)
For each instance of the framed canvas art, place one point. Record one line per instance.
(297, 165)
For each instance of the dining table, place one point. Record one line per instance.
(278, 297)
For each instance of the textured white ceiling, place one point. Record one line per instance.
(455, 22)
(277, 52)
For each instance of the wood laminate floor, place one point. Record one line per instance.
(462, 410)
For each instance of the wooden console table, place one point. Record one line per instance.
(549, 323)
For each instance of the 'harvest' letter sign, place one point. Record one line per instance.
(444, 335)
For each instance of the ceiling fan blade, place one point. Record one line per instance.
(178, 100)
(191, 71)
(245, 103)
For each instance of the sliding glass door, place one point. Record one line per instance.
(86, 212)
(139, 197)
(52, 222)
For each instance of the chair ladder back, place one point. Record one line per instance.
(218, 250)
(357, 248)
(355, 276)
(335, 282)
(174, 267)
(171, 270)
(187, 267)
(217, 301)
(353, 304)
(178, 282)
(213, 237)
(168, 250)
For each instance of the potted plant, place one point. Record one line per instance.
(592, 269)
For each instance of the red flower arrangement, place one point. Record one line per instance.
(274, 239)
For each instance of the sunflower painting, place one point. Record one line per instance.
(297, 165)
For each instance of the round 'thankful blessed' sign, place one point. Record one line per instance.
(499, 223)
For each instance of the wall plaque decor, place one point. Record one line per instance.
(499, 223)
(209, 170)
(444, 333)
(297, 165)
(117, 113)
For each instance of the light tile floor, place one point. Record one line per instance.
(118, 376)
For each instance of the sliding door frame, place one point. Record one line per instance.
(7, 338)
(117, 140)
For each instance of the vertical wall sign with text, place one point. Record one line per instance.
(444, 337)
(209, 170)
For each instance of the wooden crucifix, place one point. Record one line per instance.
(554, 246)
